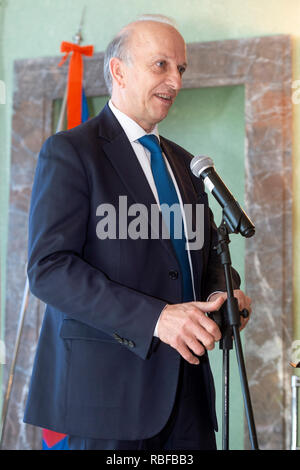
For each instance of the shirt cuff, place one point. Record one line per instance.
(156, 326)
(216, 292)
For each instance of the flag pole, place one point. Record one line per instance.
(77, 38)
(14, 359)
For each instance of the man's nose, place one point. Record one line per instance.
(174, 79)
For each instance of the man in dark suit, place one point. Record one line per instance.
(122, 356)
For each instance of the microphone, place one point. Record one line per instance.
(236, 219)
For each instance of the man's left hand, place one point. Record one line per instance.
(244, 302)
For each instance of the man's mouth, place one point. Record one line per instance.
(164, 97)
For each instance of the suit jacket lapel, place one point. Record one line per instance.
(120, 153)
(125, 162)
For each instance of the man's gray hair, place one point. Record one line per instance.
(118, 46)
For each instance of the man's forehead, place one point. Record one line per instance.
(151, 32)
(151, 39)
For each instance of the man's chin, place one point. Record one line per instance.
(154, 118)
(160, 116)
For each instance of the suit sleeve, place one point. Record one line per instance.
(57, 271)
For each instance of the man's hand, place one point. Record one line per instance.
(187, 328)
(244, 302)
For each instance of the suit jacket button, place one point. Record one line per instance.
(173, 275)
(118, 338)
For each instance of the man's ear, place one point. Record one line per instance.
(117, 71)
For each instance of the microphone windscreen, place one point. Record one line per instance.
(200, 163)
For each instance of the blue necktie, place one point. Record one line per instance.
(167, 195)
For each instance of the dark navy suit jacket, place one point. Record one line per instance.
(98, 372)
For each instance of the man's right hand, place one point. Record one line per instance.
(188, 329)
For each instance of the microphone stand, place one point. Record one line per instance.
(228, 318)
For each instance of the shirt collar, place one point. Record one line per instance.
(131, 128)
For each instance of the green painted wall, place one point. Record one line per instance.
(211, 120)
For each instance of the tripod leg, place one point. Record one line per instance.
(245, 388)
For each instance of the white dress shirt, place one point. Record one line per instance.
(134, 131)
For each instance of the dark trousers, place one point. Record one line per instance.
(188, 428)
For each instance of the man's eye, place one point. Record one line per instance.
(161, 63)
(181, 70)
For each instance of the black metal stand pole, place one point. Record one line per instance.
(230, 326)
(225, 400)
